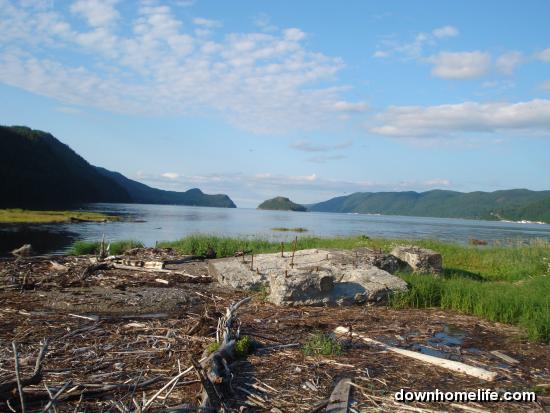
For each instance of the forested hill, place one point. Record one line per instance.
(37, 170)
(144, 194)
(513, 204)
(281, 204)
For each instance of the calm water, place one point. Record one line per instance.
(168, 222)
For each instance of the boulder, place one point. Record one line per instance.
(310, 277)
(419, 260)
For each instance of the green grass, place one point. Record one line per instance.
(261, 292)
(243, 347)
(226, 247)
(507, 282)
(16, 216)
(321, 343)
(525, 303)
(92, 247)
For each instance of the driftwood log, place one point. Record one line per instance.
(215, 372)
(437, 361)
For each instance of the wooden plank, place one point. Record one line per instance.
(448, 364)
(506, 358)
(339, 399)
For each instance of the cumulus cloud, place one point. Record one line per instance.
(468, 117)
(258, 81)
(445, 31)
(507, 62)
(413, 49)
(200, 21)
(460, 65)
(96, 12)
(543, 55)
(343, 106)
(170, 175)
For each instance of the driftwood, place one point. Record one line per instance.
(23, 251)
(144, 264)
(339, 399)
(437, 361)
(7, 388)
(96, 266)
(216, 382)
(506, 358)
(186, 277)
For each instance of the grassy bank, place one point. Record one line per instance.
(21, 216)
(505, 283)
(92, 247)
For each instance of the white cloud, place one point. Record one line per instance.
(507, 62)
(263, 22)
(544, 55)
(468, 117)
(261, 82)
(170, 175)
(343, 106)
(326, 158)
(460, 65)
(68, 110)
(438, 182)
(307, 146)
(294, 34)
(97, 13)
(445, 31)
(199, 21)
(380, 54)
(414, 49)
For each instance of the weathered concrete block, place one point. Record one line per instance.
(420, 260)
(302, 288)
(310, 277)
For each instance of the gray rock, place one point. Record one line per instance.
(419, 260)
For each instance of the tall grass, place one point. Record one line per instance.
(226, 246)
(92, 247)
(525, 303)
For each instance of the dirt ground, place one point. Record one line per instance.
(136, 330)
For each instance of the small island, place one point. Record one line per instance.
(281, 204)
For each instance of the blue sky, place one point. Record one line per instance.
(304, 99)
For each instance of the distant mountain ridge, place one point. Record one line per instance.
(38, 170)
(513, 204)
(281, 203)
(143, 194)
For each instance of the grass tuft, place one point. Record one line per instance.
(92, 247)
(243, 346)
(323, 344)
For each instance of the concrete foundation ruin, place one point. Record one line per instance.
(314, 276)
